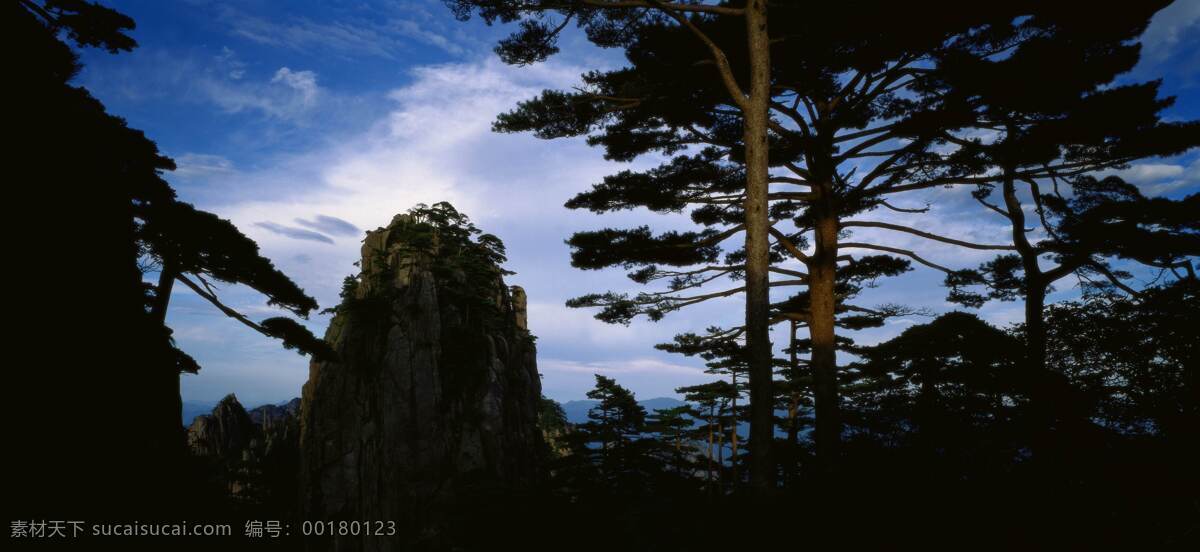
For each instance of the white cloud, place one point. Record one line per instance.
(200, 165)
(303, 82)
(1167, 30)
(621, 367)
(559, 323)
(1146, 173)
(236, 68)
(435, 144)
(222, 80)
(289, 94)
(388, 31)
(305, 35)
(1156, 179)
(421, 33)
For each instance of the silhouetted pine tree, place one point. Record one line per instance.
(949, 390)
(733, 45)
(845, 130)
(671, 431)
(709, 403)
(109, 353)
(613, 431)
(1049, 136)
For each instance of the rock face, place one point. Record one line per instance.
(435, 392)
(225, 433)
(271, 415)
(252, 456)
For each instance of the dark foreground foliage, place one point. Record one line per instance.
(947, 434)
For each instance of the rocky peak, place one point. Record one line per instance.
(435, 388)
(251, 457)
(271, 415)
(226, 432)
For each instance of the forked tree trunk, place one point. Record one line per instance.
(1044, 402)
(1035, 284)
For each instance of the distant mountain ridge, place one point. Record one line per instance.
(191, 409)
(577, 411)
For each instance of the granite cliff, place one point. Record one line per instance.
(434, 396)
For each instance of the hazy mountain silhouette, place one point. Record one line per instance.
(577, 411)
(191, 409)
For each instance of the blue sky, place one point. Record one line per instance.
(305, 123)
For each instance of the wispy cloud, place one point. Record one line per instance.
(386, 33)
(222, 80)
(1168, 29)
(294, 233)
(422, 34)
(330, 225)
(200, 165)
(289, 94)
(1157, 179)
(617, 367)
(303, 82)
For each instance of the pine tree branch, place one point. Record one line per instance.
(898, 251)
(904, 210)
(799, 171)
(926, 235)
(212, 298)
(693, 8)
(788, 245)
(794, 115)
(993, 207)
(858, 149)
(863, 133)
(718, 55)
(789, 180)
(1103, 270)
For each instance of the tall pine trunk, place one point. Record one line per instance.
(1035, 324)
(758, 299)
(709, 451)
(733, 434)
(721, 450)
(822, 271)
(793, 430)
